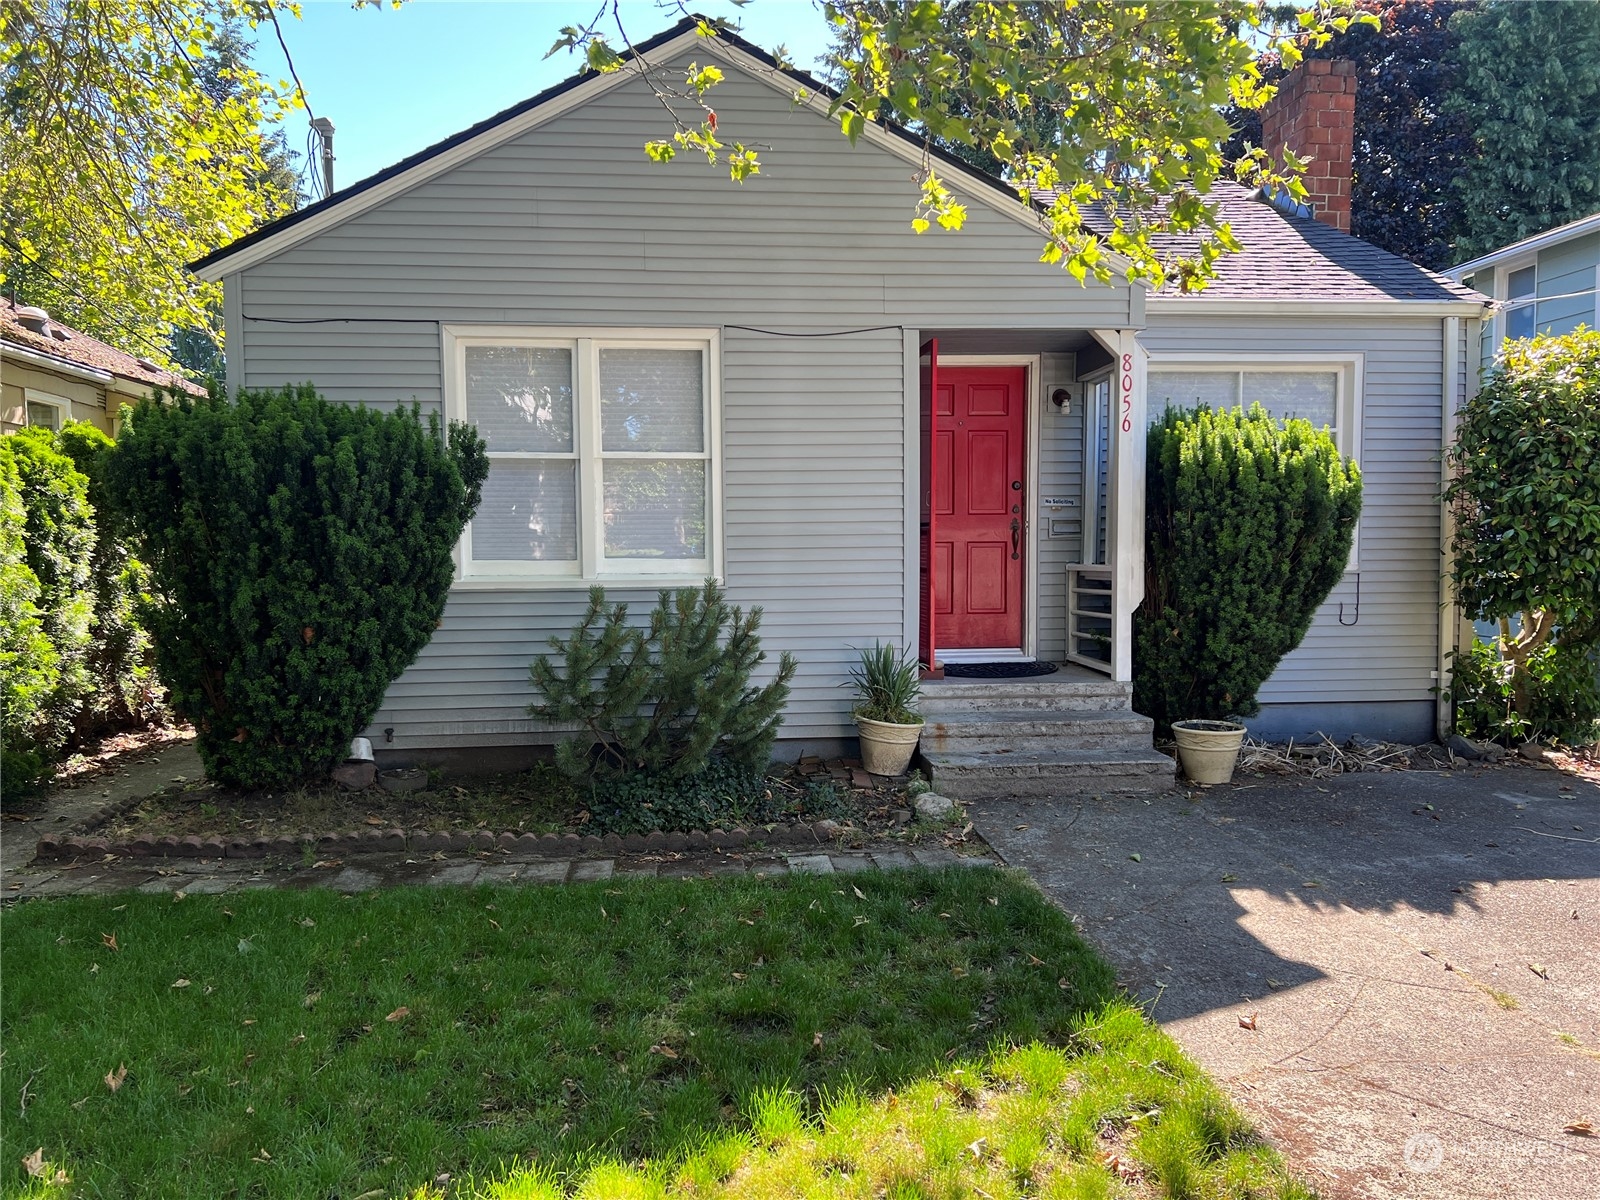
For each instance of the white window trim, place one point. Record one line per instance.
(61, 404)
(1502, 294)
(1350, 370)
(592, 567)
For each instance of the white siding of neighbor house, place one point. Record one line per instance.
(1390, 653)
(570, 225)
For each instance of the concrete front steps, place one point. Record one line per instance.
(1069, 734)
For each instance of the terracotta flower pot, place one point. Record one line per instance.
(887, 749)
(1208, 750)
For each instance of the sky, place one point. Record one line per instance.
(394, 81)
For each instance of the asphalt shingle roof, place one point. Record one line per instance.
(1289, 257)
(79, 349)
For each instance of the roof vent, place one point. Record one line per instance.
(60, 333)
(147, 364)
(34, 319)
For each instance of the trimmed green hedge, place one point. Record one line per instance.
(1248, 523)
(300, 559)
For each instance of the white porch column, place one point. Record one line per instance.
(1125, 497)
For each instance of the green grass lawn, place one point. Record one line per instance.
(907, 1034)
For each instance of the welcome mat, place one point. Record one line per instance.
(998, 670)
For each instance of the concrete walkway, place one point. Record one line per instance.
(1419, 954)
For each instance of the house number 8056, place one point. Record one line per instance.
(1127, 393)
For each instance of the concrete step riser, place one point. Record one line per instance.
(954, 706)
(1036, 723)
(999, 745)
(1022, 778)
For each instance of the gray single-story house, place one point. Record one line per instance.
(932, 440)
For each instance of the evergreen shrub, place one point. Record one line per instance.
(121, 660)
(666, 700)
(28, 658)
(1248, 525)
(300, 558)
(48, 620)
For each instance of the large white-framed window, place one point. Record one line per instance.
(604, 455)
(47, 410)
(1323, 390)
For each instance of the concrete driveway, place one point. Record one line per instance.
(1420, 953)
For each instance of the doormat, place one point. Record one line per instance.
(998, 670)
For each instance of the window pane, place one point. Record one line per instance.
(529, 512)
(46, 416)
(520, 397)
(655, 509)
(1520, 322)
(1312, 395)
(651, 400)
(1190, 389)
(1521, 283)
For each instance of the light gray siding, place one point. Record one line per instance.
(1060, 476)
(1567, 278)
(570, 225)
(1385, 649)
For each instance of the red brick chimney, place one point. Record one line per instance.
(1314, 115)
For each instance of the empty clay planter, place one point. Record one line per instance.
(886, 749)
(1208, 750)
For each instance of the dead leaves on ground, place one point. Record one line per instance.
(1248, 1022)
(399, 1014)
(1580, 1129)
(36, 1167)
(115, 1079)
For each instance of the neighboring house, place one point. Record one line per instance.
(50, 374)
(1548, 283)
(678, 377)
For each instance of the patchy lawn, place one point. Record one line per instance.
(804, 1035)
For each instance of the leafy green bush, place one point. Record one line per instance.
(1248, 527)
(121, 659)
(1562, 700)
(59, 541)
(1525, 493)
(664, 701)
(28, 658)
(300, 559)
(886, 686)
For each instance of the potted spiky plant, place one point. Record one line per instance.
(887, 721)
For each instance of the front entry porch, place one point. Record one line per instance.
(1031, 480)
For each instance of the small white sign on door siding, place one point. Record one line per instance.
(1059, 502)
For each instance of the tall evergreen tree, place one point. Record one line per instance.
(1529, 87)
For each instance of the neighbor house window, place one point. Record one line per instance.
(1521, 315)
(1319, 394)
(602, 461)
(45, 411)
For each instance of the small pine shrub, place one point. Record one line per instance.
(1248, 528)
(58, 533)
(665, 700)
(300, 558)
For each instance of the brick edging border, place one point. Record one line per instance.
(78, 842)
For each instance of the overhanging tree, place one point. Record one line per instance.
(134, 138)
(1136, 92)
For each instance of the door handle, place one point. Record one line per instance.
(1016, 538)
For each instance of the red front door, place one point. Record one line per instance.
(979, 493)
